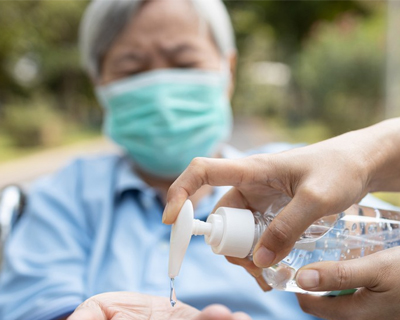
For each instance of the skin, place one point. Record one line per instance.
(161, 36)
(377, 298)
(135, 306)
(318, 180)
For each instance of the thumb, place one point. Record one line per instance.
(284, 230)
(202, 171)
(371, 271)
(89, 310)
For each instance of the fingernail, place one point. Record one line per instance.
(307, 279)
(263, 257)
(165, 213)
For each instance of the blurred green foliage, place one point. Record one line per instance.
(40, 73)
(335, 51)
(337, 74)
(289, 22)
(341, 73)
(38, 125)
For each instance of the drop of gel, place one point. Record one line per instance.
(172, 295)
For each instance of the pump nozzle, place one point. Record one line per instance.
(229, 232)
(182, 230)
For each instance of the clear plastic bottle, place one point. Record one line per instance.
(354, 233)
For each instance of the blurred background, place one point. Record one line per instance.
(307, 70)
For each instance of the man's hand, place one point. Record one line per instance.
(376, 275)
(135, 306)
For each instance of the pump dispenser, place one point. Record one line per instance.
(356, 232)
(233, 236)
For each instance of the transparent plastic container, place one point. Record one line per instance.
(354, 233)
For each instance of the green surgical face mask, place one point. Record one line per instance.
(165, 118)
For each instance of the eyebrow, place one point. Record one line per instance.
(128, 57)
(178, 49)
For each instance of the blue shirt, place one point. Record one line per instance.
(95, 227)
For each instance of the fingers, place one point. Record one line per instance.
(247, 264)
(337, 308)
(376, 272)
(285, 229)
(251, 268)
(89, 310)
(215, 312)
(202, 171)
(241, 316)
(263, 283)
(219, 312)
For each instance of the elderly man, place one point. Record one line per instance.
(163, 71)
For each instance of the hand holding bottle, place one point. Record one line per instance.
(314, 181)
(135, 306)
(376, 275)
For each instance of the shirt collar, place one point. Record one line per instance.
(126, 177)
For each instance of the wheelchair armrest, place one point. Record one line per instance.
(12, 204)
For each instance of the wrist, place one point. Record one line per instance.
(382, 155)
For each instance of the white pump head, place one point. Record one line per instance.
(180, 238)
(228, 231)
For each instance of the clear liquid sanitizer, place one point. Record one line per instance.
(354, 233)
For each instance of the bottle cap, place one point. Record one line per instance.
(234, 229)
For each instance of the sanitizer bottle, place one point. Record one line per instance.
(354, 233)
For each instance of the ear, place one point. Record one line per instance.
(232, 61)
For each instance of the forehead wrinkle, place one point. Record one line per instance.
(159, 25)
(165, 15)
(194, 22)
(166, 25)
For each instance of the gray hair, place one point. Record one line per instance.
(104, 19)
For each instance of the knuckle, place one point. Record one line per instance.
(316, 197)
(197, 162)
(343, 276)
(176, 190)
(281, 232)
(198, 167)
(386, 272)
(173, 189)
(313, 194)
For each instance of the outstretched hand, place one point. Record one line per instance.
(135, 306)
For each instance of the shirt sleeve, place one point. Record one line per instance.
(42, 276)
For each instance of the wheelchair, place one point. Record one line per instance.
(12, 204)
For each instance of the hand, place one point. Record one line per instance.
(135, 306)
(376, 275)
(314, 181)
